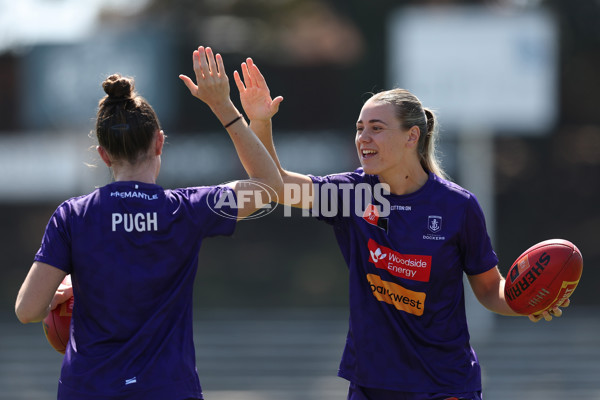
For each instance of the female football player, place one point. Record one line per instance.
(407, 235)
(131, 249)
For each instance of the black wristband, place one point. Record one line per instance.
(233, 122)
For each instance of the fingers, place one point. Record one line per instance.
(275, 104)
(212, 65)
(212, 83)
(207, 64)
(60, 297)
(538, 317)
(556, 312)
(551, 313)
(189, 83)
(238, 81)
(257, 76)
(246, 75)
(220, 66)
(535, 318)
(547, 316)
(202, 64)
(53, 304)
(196, 65)
(252, 75)
(253, 78)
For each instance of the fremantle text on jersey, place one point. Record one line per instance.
(134, 194)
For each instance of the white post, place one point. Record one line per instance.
(475, 166)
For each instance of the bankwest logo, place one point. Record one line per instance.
(409, 266)
(403, 299)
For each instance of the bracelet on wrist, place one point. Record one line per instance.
(236, 119)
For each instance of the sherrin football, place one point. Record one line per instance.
(57, 324)
(543, 276)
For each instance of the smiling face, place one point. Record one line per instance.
(383, 146)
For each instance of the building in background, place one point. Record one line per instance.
(324, 57)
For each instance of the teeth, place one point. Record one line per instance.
(369, 152)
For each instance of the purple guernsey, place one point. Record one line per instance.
(408, 330)
(132, 251)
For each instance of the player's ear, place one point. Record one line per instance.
(104, 155)
(159, 143)
(413, 136)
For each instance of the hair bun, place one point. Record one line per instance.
(430, 119)
(118, 87)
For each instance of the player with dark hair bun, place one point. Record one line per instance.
(131, 249)
(125, 123)
(408, 235)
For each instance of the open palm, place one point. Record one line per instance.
(254, 93)
(212, 84)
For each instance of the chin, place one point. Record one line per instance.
(369, 170)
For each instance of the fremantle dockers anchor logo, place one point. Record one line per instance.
(434, 223)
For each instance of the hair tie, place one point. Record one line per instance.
(120, 128)
(115, 100)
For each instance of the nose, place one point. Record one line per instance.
(363, 136)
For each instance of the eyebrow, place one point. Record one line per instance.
(373, 121)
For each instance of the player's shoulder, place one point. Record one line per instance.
(79, 203)
(356, 176)
(195, 191)
(450, 189)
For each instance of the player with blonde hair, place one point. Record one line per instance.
(406, 250)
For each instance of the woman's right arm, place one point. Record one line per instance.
(38, 294)
(212, 87)
(260, 108)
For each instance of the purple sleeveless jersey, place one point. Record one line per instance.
(406, 257)
(132, 251)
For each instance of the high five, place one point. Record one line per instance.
(131, 248)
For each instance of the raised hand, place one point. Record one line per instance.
(254, 93)
(212, 83)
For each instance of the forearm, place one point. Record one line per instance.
(264, 131)
(298, 191)
(489, 290)
(225, 111)
(495, 301)
(260, 108)
(36, 293)
(253, 155)
(26, 314)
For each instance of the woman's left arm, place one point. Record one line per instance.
(489, 290)
(38, 294)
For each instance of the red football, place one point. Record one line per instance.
(543, 276)
(57, 325)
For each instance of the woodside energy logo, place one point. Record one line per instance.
(409, 266)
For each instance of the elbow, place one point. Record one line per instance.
(27, 316)
(271, 188)
(23, 317)
(277, 188)
(24, 320)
